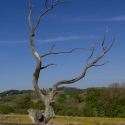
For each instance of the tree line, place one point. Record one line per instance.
(106, 102)
(92, 102)
(14, 92)
(66, 90)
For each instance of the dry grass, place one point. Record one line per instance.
(89, 120)
(15, 118)
(67, 120)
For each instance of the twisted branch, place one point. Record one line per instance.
(33, 28)
(93, 63)
(39, 66)
(51, 51)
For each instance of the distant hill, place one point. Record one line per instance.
(71, 90)
(94, 101)
(65, 90)
(15, 92)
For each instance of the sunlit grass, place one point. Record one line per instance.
(15, 118)
(67, 120)
(89, 120)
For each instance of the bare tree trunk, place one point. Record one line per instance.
(51, 96)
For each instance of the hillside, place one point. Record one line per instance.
(65, 90)
(97, 102)
(10, 97)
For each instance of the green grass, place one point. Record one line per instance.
(61, 92)
(14, 118)
(89, 120)
(22, 95)
(67, 120)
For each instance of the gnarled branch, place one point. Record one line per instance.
(51, 51)
(93, 63)
(44, 12)
(51, 96)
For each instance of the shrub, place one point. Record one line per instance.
(69, 112)
(6, 109)
(20, 111)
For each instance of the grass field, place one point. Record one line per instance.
(67, 120)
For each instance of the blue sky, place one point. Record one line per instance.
(67, 26)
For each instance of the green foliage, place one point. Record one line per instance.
(106, 102)
(20, 111)
(23, 103)
(7, 99)
(95, 112)
(6, 109)
(78, 97)
(93, 102)
(69, 112)
(70, 90)
(38, 105)
(62, 98)
(70, 107)
(14, 92)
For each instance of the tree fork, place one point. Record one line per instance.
(51, 96)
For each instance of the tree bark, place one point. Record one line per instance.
(51, 96)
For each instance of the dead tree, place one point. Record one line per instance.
(50, 96)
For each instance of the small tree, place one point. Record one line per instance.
(50, 96)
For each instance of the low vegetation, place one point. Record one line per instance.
(92, 102)
(67, 120)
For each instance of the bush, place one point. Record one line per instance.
(20, 111)
(6, 109)
(69, 112)
(120, 115)
(38, 105)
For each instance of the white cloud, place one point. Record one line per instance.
(67, 38)
(60, 38)
(117, 18)
(56, 39)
